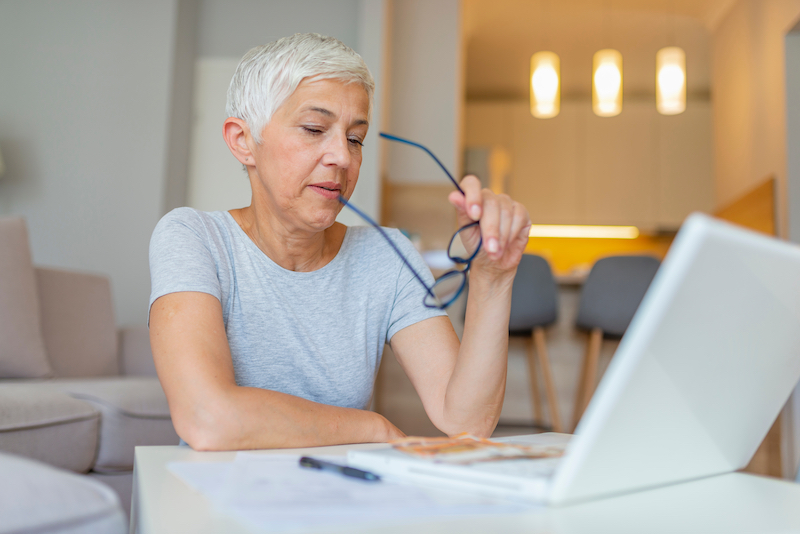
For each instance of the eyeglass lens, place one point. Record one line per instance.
(465, 243)
(446, 289)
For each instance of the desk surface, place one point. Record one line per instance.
(732, 503)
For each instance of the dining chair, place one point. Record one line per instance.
(609, 298)
(533, 307)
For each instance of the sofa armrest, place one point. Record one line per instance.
(135, 357)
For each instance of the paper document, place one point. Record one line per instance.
(272, 493)
(465, 449)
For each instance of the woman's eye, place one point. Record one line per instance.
(312, 130)
(356, 141)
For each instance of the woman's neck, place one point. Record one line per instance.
(292, 250)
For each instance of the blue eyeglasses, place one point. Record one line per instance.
(450, 285)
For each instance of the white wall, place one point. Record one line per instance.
(793, 131)
(374, 45)
(748, 84)
(426, 89)
(86, 88)
(229, 28)
(181, 113)
(216, 180)
(793, 191)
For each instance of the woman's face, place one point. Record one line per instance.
(311, 152)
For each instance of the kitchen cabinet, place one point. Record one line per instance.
(638, 168)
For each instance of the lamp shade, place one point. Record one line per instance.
(671, 80)
(607, 83)
(545, 85)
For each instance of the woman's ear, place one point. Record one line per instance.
(235, 132)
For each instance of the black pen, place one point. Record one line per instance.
(322, 465)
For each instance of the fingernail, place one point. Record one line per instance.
(475, 212)
(491, 246)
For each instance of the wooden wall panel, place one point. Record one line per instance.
(755, 209)
(421, 209)
(620, 166)
(488, 124)
(684, 182)
(545, 160)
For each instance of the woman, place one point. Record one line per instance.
(267, 323)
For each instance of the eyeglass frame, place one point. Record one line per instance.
(454, 272)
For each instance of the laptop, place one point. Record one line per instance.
(706, 365)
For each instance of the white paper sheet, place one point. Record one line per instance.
(272, 493)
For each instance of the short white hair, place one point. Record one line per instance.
(267, 75)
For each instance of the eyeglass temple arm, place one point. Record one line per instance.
(431, 154)
(388, 240)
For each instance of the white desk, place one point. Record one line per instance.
(730, 504)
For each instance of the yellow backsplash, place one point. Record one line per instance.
(569, 256)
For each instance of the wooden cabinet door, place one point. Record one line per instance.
(545, 161)
(620, 166)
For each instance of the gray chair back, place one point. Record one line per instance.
(612, 292)
(533, 296)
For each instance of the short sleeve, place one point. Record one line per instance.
(408, 308)
(181, 258)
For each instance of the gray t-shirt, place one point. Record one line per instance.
(318, 335)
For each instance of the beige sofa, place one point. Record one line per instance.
(75, 392)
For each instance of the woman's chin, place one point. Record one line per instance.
(323, 221)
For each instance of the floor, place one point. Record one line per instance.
(399, 402)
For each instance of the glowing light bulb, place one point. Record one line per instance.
(607, 83)
(671, 81)
(545, 85)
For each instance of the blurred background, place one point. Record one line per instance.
(111, 114)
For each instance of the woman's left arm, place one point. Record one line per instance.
(462, 386)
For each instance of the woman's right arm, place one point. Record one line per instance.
(210, 412)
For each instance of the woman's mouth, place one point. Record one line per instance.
(328, 190)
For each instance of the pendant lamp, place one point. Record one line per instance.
(545, 85)
(671, 80)
(607, 83)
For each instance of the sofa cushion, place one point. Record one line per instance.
(78, 323)
(39, 498)
(45, 424)
(22, 348)
(134, 412)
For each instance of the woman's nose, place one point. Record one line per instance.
(337, 151)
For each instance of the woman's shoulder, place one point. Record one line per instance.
(192, 217)
(191, 227)
(186, 218)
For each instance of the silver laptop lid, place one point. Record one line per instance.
(705, 367)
